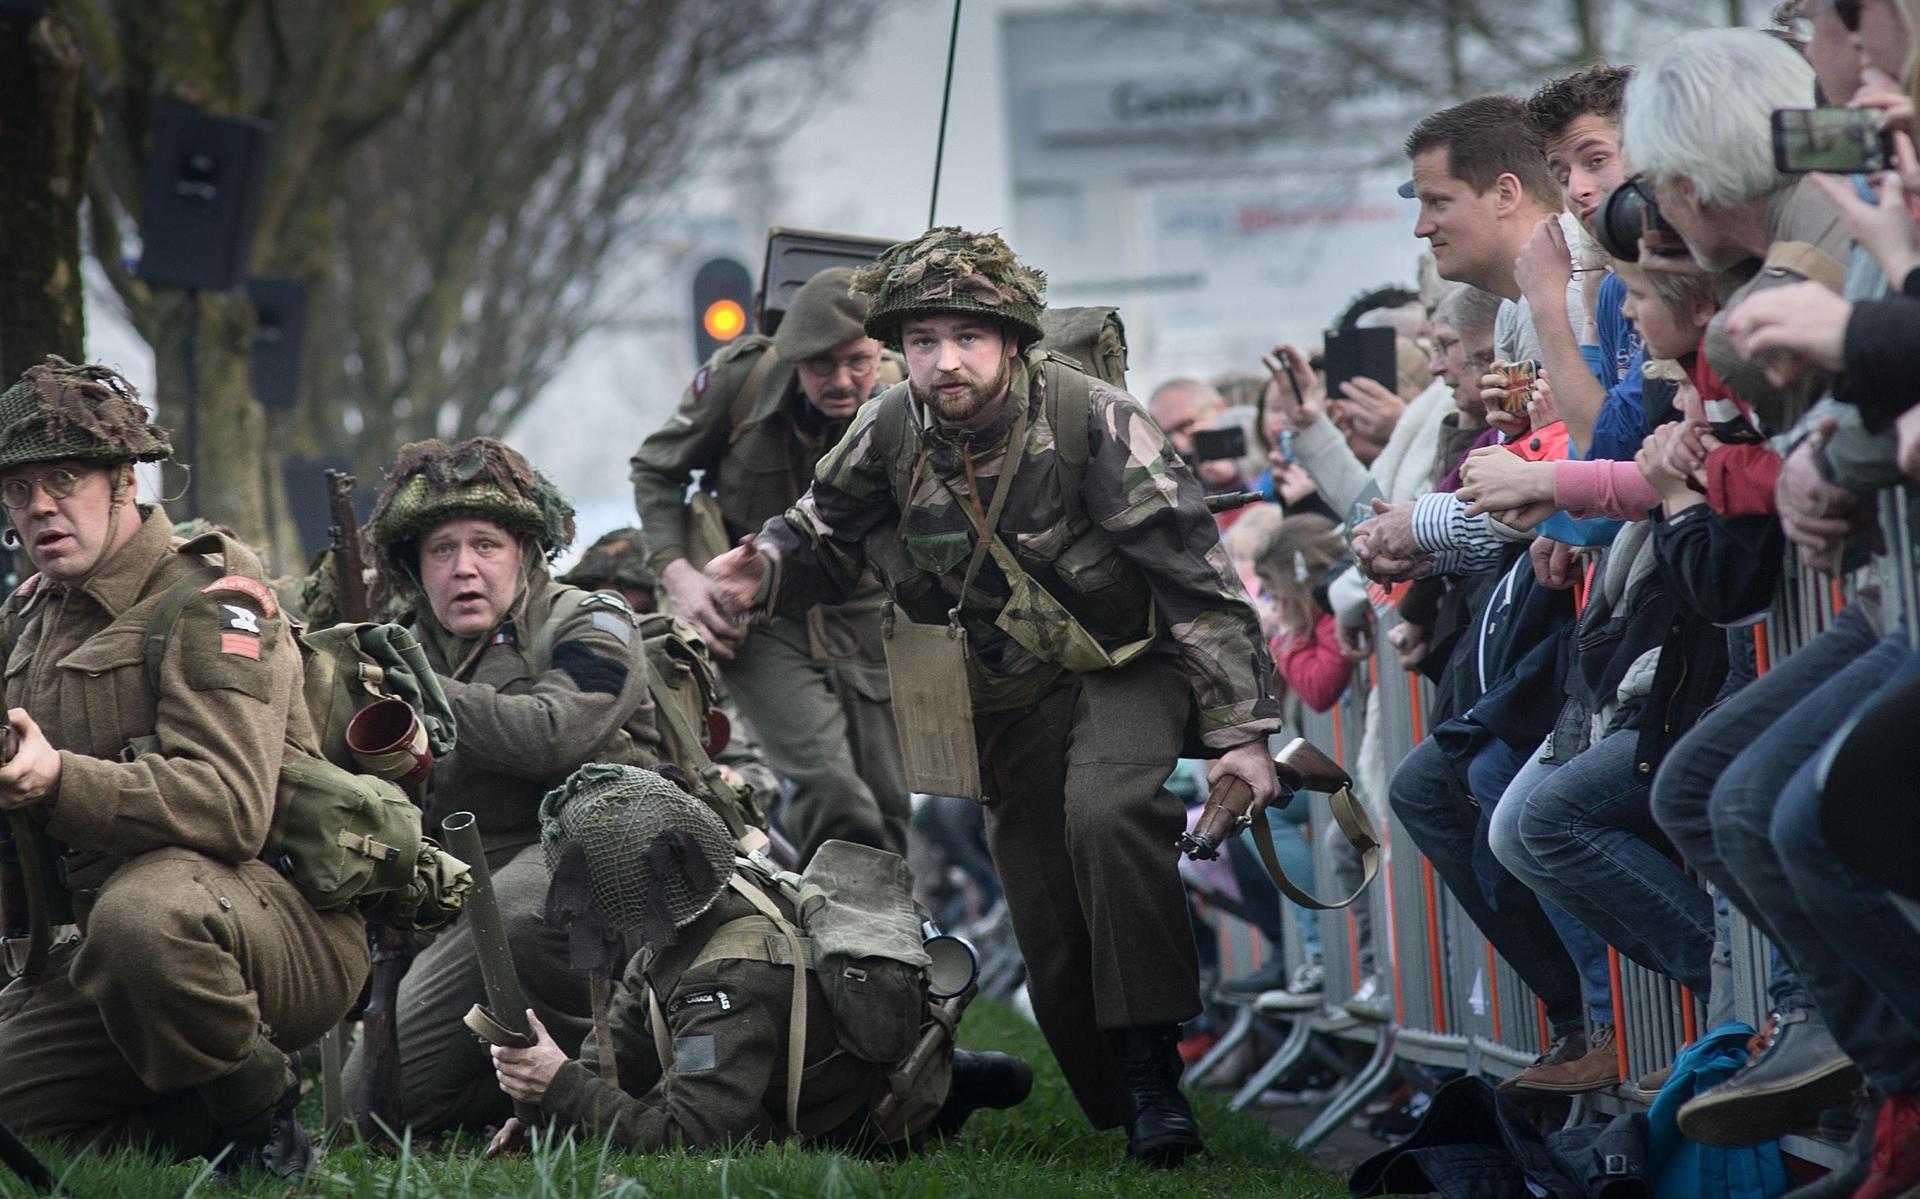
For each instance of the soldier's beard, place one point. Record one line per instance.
(960, 407)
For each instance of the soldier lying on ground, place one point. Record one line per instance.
(717, 973)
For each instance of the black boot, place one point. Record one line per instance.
(995, 1080)
(1164, 1132)
(272, 1143)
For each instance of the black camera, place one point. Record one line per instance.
(1627, 215)
(1213, 445)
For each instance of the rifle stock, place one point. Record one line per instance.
(377, 1105)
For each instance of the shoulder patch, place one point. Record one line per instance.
(26, 589)
(701, 378)
(694, 1055)
(620, 630)
(253, 589)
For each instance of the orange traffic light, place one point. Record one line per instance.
(724, 320)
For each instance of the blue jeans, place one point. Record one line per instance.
(1717, 795)
(1431, 800)
(1582, 835)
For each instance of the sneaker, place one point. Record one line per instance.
(1302, 994)
(1569, 1046)
(1896, 1151)
(1270, 977)
(1370, 1002)
(1794, 1072)
(1595, 1070)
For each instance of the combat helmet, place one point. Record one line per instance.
(655, 857)
(617, 559)
(60, 411)
(431, 481)
(948, 270)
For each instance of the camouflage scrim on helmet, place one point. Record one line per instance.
(617, 559)
(60, 411)
(656, 857)
(431, 482)
(950, 271)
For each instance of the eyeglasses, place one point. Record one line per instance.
(825, 368)
(59, 484)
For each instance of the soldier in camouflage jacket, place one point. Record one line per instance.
(1116, 531)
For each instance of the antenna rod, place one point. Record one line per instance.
(946, 100)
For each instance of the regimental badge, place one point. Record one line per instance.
(253, 589)
(240, 631)
(701, 378)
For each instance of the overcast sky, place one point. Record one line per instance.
(860, 162)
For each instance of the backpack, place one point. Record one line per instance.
(857, 929)
(681, 683)
(1090, 339)
(344, 838)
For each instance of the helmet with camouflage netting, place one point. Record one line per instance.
(656, 858)
(617, 559)
(431, 482)
(60, 411)
(948, 271)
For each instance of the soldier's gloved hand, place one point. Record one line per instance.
(32, 774)
(525, 1074)
(1251, 765)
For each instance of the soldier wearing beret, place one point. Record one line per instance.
(813, 683)
(160, 969)
(1068, 583)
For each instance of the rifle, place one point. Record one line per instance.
(23, 1162)
(1300, 767)
(376, 1101)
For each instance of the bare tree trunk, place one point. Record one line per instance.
(1585, 16)
(230, 439)
(45, 139)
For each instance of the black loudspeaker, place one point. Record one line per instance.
(280, 315)
(202, 194)
(32, 10)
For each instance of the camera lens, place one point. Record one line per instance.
(1620, 220)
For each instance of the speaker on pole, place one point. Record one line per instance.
(32, 10)
(202, 194)
(280, 316)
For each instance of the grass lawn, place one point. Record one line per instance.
(1042, 1148)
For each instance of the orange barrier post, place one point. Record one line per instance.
(1689, 1022)
(1619, 1014)
(1493, 985)
(1433, 949)
(1760, 662)
(1353, 949)
(1546, 1031)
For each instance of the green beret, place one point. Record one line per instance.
(825, 315)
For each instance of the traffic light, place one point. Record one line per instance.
(722, 297)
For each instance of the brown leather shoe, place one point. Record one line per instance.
(1595, 1070)
(1569, 1046)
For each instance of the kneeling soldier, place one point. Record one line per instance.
(715, 1063)
(541, 679)
(138, 802)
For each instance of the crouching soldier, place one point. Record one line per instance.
(138, 800)
(541, 678)
(715, 1038)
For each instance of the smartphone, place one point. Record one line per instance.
(1212, 445)
(1361, 354)
(1845, 141)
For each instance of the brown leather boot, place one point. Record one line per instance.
(1595, 1070)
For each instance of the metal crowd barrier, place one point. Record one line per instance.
(1456, 1003)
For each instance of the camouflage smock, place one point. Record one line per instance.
(1140, 541)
